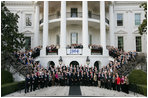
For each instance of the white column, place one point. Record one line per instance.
(102, 28)
(86, 51)
(36, 29)
(45, 28)
(62, 50)
(111, 24)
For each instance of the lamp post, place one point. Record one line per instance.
(87, 60)
(60, 61)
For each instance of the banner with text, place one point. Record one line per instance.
(74, 51)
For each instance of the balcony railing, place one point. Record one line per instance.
(52, 52)
(96, 51)
(54, 16)
(75, 15)
(94, 16)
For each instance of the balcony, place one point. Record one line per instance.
(75, 15)
(52, 50)
(96, 49)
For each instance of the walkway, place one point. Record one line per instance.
(71, 91)
(75, 91)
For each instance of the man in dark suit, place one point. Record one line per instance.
(39, 81)
(32, 82)
(78, 78)
(85, 78)
(88, 77)
(27, 83)
(36, 81)
(73, 78)
(42, 80)
(109, 81)
(70, 78)
(46, 79)
(102, 79)
(82, 78)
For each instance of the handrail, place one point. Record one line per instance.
(74, 15)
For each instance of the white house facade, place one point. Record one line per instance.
(62, 23)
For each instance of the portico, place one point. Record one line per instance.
(63, 30)
(82, 23)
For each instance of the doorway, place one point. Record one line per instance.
(74, 64)
(51, 64)
(97, 64)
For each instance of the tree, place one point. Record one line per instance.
(143, 27)
(11, 40)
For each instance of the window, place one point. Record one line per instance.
(74, 12)
(119, 19)
(74, 38)
(138, 44)
(58, 40)
(120, 42)
(89, 14)
(27, 43)
(137, 18)
(90, 39)
(28, 20)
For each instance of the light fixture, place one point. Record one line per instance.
(60, 61)
(87, 60)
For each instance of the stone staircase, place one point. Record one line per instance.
(18, 67)
(131, 65)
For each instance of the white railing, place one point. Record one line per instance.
(75, 15)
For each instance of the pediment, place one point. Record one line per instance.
(121, 32)
(136, 32)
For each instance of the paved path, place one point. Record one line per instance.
(75, 91)
(49, 91)
(64, 91)
(95, 91)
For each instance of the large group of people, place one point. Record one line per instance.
(120, 54)
(27, 57)
(79, 75)
(106, 77)
(74, 46)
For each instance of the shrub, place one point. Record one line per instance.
(138, 82)
(138, 77)
(12, 87)
(6, 77)
(142, 89)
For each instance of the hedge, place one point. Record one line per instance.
(6, 77)
(138, 82)
(12, 87)
(137, 88)
(138, 77)
(142, 89)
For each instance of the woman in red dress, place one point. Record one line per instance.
(118, 83)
